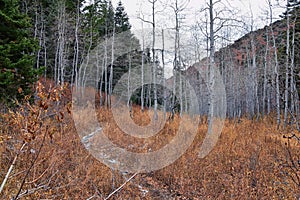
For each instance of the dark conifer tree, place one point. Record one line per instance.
(17, 49)
(121, 19)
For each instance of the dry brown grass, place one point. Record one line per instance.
(252, 160)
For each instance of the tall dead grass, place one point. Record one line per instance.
(252, 160)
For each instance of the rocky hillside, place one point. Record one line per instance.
(247, 68)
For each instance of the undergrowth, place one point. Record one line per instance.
(252, 159)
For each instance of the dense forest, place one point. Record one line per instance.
(74, 76)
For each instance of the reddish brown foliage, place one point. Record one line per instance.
(250, 161)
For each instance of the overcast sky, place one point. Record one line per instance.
(134, 7)
(165, 20)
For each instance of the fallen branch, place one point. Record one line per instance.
(119, 188)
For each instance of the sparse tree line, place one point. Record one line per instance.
(56, 39)
(261, 70)
(52, 38)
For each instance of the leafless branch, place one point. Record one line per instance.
(32, 164)
(143, 19)
(119, 188)
(11, 167)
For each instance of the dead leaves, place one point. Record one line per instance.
(29, 118)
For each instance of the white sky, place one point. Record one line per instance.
(165, 20)
(134, 7)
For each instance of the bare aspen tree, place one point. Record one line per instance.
(292, 67)
(287, 60)
(36, 22)
(176, 63)
(252, 101)
(105, 71)
(111, 67)
(128, 80)
(199, 30)
(154, 67)
(40, 32)
(238, 99)
(59, 69)
(45, 52)
(101, 79)
(268, 81)
(74, 73)
(249, 84)
(276, 68)
(265, 81)
(178, 7)
(217, 13)
(254, 72)
(186, 95)
(83, 67)
(39, 35)
(163, 72)
(293, 89)
(211, 60)
(153, 58)
(142, 68)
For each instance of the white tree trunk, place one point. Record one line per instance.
(276, 69)
(287, 61)
(211, 64)
(76, 48)
(110, 85)
(142, 69)
(153, 60)
(265, 81)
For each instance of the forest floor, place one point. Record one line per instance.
(252, 160)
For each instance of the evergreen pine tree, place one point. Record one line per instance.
(98, 19)
(16, 52)
(121, 19)
(105, 18)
